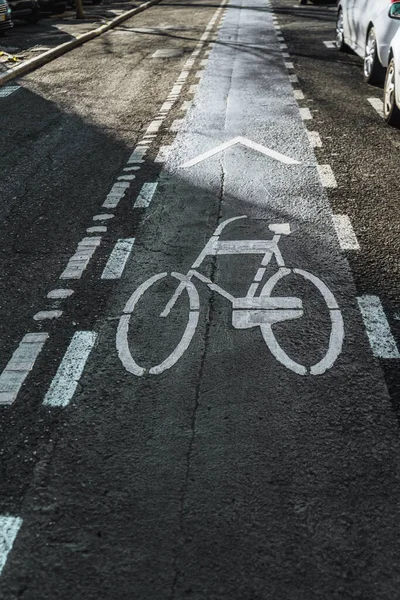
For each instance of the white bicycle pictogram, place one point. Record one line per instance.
(262, 310)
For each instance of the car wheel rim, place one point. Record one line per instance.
(370, 50)
(389, 91)
(339, 30)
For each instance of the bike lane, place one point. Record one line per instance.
(228, 475)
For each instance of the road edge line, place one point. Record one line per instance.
(46, 57)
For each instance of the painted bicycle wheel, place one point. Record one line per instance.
(337, 327)
(122, 341)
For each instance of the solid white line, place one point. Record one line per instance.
(330, 44)
(145, 195)
(298, 94)
(80, 260)
(19, 365)
(345, 232)
(69, 372)
(9, 527)
(118, 258)
(326, 176)
(305, 114)
(377, 104)
(314, 139)
(380, 337)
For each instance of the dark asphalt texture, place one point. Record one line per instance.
(227, 477)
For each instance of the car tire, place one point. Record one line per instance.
(374, 73)
(391, 111)
(339, 40)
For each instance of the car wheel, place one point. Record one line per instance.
(391, 111)
(374, 73)
(340, 44)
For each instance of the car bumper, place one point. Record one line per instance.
(7, 24)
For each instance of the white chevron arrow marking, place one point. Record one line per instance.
(245, 142)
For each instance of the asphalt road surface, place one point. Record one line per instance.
(200, 324)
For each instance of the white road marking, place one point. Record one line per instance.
(9, 527)
(97, 229)
(380, 337)
(126, 177)
(176, 125)
(345, 232)
(245, 142)
(199, 74)
(377, 104)
(118, 258)
(137, 155)
(69, 372)
(293, 79)
(42, 315)
(305, 114)
(166, 106)
(193, 89)
(330, 44)
(283, 46)
(326, 176)
(154, 126)
(19, 365)
(80, 260)
(289, 65)
(298, 94)
(285, 54)
(314, 139)
(162, 154)
(116, 193)
(145, 195)
(186, 105)
(60, 293)
(167, 53)
(203, 63)
(103, 217)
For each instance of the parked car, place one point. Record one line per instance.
(56, 7)
(5, 17)
(391, 96)
(27, 10)
(366, 27)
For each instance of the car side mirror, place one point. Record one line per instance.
(394, 11)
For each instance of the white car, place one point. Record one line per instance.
(391, 97)
(369, 27)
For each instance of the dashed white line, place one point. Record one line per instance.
(97, 229)
(9, 527)
(326, 176)
(103, 217)
(176, 125)
(305, 114)
(162, 154)
(118, 258)
(285, 54)
(60, 293)
(298, 94)
(186, 105)
(289, 65)
(145, 195)
(377, 104)
(345, 232)
(19, 365)
(314, 139)
(42, 315)
(80, 260)
(376, 324)
(293, 79)
(116, 193)
(65, 382)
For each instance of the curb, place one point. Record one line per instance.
(46, 57)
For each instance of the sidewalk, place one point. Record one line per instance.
(24, 42)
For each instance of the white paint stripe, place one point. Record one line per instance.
(145, 195)
(305, 114)
(298, 94)
(116, 193)
(103, 217)
(293, 79)
(283, 46)
(19, 365)
(186, 105)
(47, 314)
(80, 260)
(60, 293)
(326, 176)
(377, 104)
(289, 65)
(193, 89)
(285, 54)
(162, 154)
(118, 258)
(69, 372)
(9, 527)
(137, 155)
(314, 139)
(97, 229)
(8, 90)
(126, 177)
(345, 232)
(176, 125)
(380, 337)
(330, 44)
